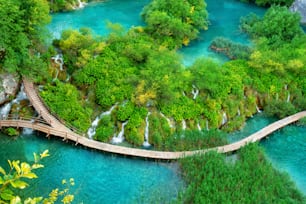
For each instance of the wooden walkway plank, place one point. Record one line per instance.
(56, 128)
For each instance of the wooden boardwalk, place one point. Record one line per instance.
(52, 126)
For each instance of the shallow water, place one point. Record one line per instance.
(99, 177)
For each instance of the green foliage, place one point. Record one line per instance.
(63, 5)
(270, 2)
(194, 140)
(17, 53)
(212, 178)
(173, 23)
(15, 179)
(279, 108)
(278, 25)
(105, 129)
(13, 132)
(65, 101)
(230, 49)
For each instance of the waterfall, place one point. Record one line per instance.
(195, 92)
(58, 59)
(184, 126)
(92, 130)
(207, 127)
(80, 5)
(168, 120)
(5, 110)
(183, 92)
(224, 118)
(199, 127)
(288, 97)
(258, 111)
(120, 137)
(238, 112)
(27, 131)
(146, 136)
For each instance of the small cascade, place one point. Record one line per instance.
(5, 110)
(168, 120)
(80, 5)
(184, 126)
(68, 78)
(92, 130)
(195, 92)
(238, 112)
(288, 97)
(258, 110)
(58, 59)
(207, 127)
(199, 127)
(120, 137)
(27, 131)
(146, 136)
(183, 92)
(224, 118)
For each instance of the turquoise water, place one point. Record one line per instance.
(99, 177)
(286, 148)
(224, 18)
(95, 16)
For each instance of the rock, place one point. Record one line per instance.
(299, 6)
(9, 85)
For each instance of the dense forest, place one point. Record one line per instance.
(139, 74)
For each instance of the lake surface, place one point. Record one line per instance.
(99, 177)
(224, 17)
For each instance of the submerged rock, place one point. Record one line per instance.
(299, 6)
(8, 87)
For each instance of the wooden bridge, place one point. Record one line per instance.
(50, 125)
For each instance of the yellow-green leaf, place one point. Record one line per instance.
(19, 184)
(1, 180)
(25, 168)
(2, 171)
(30, 175)
(44, 154)
(16, 166)
(6, 194)
(36, 158)
(16, 200)
(37, 166)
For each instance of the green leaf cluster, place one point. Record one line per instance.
(65, 101)
(175, 22)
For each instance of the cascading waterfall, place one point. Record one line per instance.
(258, 110)
(207, 127)
(288, 97)
(58, 59)
(238, 112)
(195, 92)
(184, 126)
(199, 127)
(224, 118)
(120, 137)
(5, 110)
(80, 5)
(92, 130)
(168, 120)
(146, 136)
